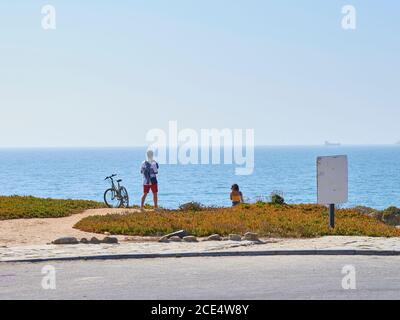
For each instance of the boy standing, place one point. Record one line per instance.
(149, 170)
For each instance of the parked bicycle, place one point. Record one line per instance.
(117, 196)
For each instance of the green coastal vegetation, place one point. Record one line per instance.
(26, 207)
(266, 219)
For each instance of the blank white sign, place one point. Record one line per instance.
(332, 179)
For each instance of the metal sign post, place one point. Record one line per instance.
(332, 183)
(332, 216)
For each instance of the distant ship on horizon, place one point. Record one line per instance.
(331, 144)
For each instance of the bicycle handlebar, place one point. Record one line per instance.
(110, 177)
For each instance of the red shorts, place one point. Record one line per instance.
(153, 187)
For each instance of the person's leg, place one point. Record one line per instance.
(155, 199)
(154, 190)
(143, 200)
(146, 189)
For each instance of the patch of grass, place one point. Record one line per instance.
(146, 206)
(268, 220)
(18, 207)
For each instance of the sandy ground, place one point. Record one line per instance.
(43, 231)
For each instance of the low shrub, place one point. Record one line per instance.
(391, 216)
(371, 212)
(191, 206)
(277, 199)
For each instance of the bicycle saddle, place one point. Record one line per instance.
(120, 180)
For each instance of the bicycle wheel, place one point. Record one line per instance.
(124, 198)
(111, 199)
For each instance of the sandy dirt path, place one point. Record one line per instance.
(43, 231)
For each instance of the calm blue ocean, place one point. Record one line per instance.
(374, 175)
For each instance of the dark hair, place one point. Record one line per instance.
(235, 187)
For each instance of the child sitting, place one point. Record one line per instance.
(236, 195)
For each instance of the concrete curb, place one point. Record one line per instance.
(315, 252)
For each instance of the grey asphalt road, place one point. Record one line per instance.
(273, 277)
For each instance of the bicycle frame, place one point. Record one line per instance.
(113, 186)
(112, 183)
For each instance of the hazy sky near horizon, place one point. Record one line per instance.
(111, 71)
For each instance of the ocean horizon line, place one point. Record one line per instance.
(200, 146)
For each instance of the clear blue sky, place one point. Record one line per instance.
(115, 69)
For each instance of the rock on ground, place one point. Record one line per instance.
(190, 239)
(180, 234)
(163, 239)
(94, 240)
(251, 236)
(175, 239)
(235, 237)
(214, 237)
(66, 240)
(110, 240)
